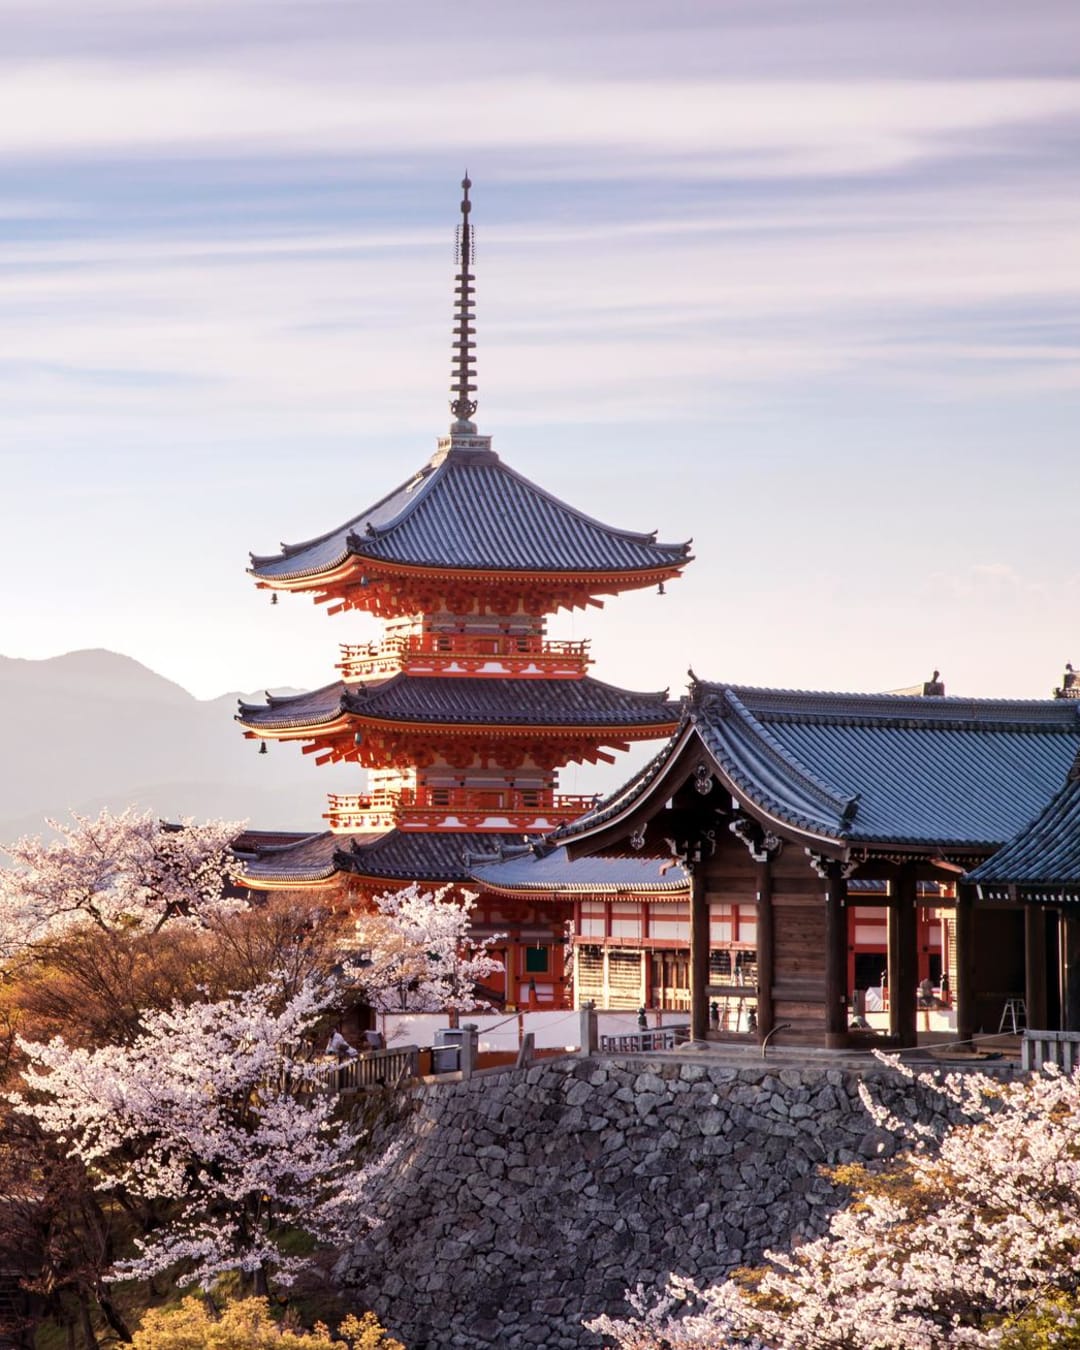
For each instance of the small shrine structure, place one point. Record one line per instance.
(464, 711)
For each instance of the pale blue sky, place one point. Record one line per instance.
(799, 280)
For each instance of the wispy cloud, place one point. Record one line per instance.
(796, 274)
(757, 129)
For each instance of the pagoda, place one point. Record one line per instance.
(464, 712)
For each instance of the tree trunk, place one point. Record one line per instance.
(112, 1316)
(90, 1340)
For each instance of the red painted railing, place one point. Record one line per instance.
(429, 805)
(439, 650)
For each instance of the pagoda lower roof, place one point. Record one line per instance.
(1042, 862)
(467, 511)
(466, 701)
(862, 769)
(521, 871)
(272, 858)
(396, 856)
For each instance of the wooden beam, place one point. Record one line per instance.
(699, 954)
(836, 943)
(965, 962)
(903, 957)
(766, 949)
(1035, 966)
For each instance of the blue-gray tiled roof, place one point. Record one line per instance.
(418, 855)
(468, 700)
(874, 768)
(271, 857)
(554, 873)
(1043, 860)
(469, 511)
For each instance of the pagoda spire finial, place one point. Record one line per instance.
(462, 405)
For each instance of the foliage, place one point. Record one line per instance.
(418, 953)
(975, 1243)
(1051, 1324)
(114, 872)
(213, 1111)
(247, 1325)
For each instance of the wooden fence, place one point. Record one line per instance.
(377, 1068)
(642, 1042)
(1050, 1047)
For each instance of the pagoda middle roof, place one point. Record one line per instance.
(469, 701)
(866, 768)
(467, 511)
(1043, 861)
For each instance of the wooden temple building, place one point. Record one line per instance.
(816, 816)
(465, 711)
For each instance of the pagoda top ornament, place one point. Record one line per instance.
(463, 405)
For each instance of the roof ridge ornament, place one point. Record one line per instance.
(463, 406)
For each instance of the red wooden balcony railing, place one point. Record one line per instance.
(431, 808)
(471, 651)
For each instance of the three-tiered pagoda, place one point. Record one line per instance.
(465, 711)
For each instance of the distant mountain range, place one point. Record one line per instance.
(91, 729)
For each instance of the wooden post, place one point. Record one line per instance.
(1070, 971)
(903, 957)
(965, 962)
(766, 949)
(836, 943)
(589, 1034)
(1035, 966)
(699, 955)
(469, 1041)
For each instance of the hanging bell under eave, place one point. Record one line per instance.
(273, 597)
(263, 747)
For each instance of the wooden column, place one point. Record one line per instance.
(766, 960)
(965, 962)
(836, 943)
(1035, 966)
(699, 954)
(903, 957)
(1070, 971)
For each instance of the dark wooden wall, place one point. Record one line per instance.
(799, 920)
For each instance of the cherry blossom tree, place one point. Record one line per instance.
(114, 871)
(214, 1115)
(971, 1243)
(417, 953)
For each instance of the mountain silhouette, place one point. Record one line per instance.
(91, 729)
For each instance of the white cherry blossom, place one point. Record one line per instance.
(415, 952)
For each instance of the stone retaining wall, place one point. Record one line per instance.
(526, 1200)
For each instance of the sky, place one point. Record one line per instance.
(798, 280)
